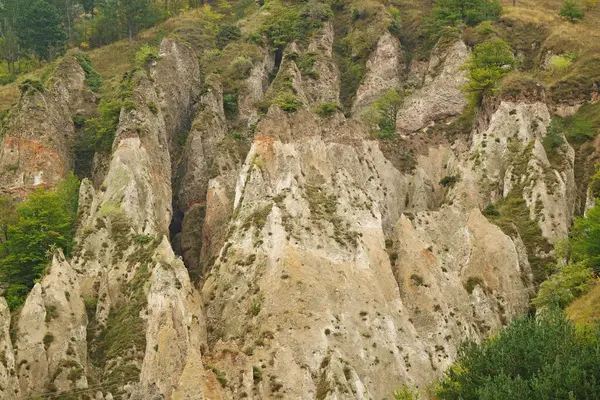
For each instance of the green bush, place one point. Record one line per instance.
(554, 138)
(584, 239)
(382, 113)
(100, 131)
(288, 102)
(92, 78)
(31, 86)
(286, 24)
(43, 222)
(404, 393)
(145, 55)
(537, 358)
(326, 109)
(454, 13)
(565, 285)
(583, 125)
(227, 33)
(6, 79)
(449, 180)
(572, 11)
(491, 211)
(230, 103)
(489, 62)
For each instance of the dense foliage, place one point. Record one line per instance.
(490, 61)
(455, 13)
(543, 357)
(581, 255)
(572, 11)
(31, 231)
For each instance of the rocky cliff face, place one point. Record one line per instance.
(325, 270)
(37, 141)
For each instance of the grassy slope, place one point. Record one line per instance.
(586, 309)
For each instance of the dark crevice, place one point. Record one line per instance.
(278, 61)
(175, 229)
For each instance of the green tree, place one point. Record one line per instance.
(489, 62)
(8, 216)
(452, 13)
(40, 30)
(572, 11)
(535, 358)
(382, 113)
(9, 42)
(132, 15)
(585, 239)
(44, 222)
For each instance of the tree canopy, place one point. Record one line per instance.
(535, 358)
(41, 223)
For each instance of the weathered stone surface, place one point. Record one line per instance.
(441, 95)
(9, 384)
(509, 154)
(51, 333)
(178, 93)
(323, 82)
(38, 138)
(384, 71)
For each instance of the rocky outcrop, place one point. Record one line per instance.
(254, 88)
(321, 82)
(38, 138)
(325, 268)
(384, 72)
(9, 384)
(177, 94)
(510, 155)
(51, 334)
(322, 267)
(441, 95)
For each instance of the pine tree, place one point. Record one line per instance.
(39, 29)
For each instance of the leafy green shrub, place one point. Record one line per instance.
(145, 55)
(288, 102)
(572, 11)
(585, 239)
(449, 180)
(31, 86)
(326, 109)
(306, 64)
(491, 211)
(584, 124)
(44, 222)
(472, 282)
(6, 79)
(100, 131)
(404, 393)
(562, 63)
(230, 103)
(489, 62)
(536, 357)
(92, 78)
(382, 113)
(564, 286)
(240, 67)
(227, 33)
(454, 13)
(286, 24)
(554, 138)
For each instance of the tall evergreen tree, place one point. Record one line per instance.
(40, 30)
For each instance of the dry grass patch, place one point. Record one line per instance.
(586, 309)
